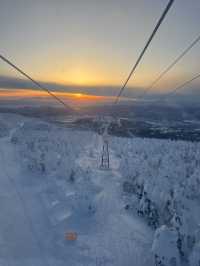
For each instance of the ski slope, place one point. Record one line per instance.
(68, 192)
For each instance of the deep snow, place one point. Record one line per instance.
(51, 183)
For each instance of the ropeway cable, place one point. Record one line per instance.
(39, 85)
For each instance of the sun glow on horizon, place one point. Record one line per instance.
(79, 95)
(75, 99)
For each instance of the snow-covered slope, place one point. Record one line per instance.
(143, 211)
(162, 184)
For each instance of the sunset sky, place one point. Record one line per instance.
(94, 43)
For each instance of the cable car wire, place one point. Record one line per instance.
(145, 48)
(169, 67)
(34, 81)
(180, 86)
